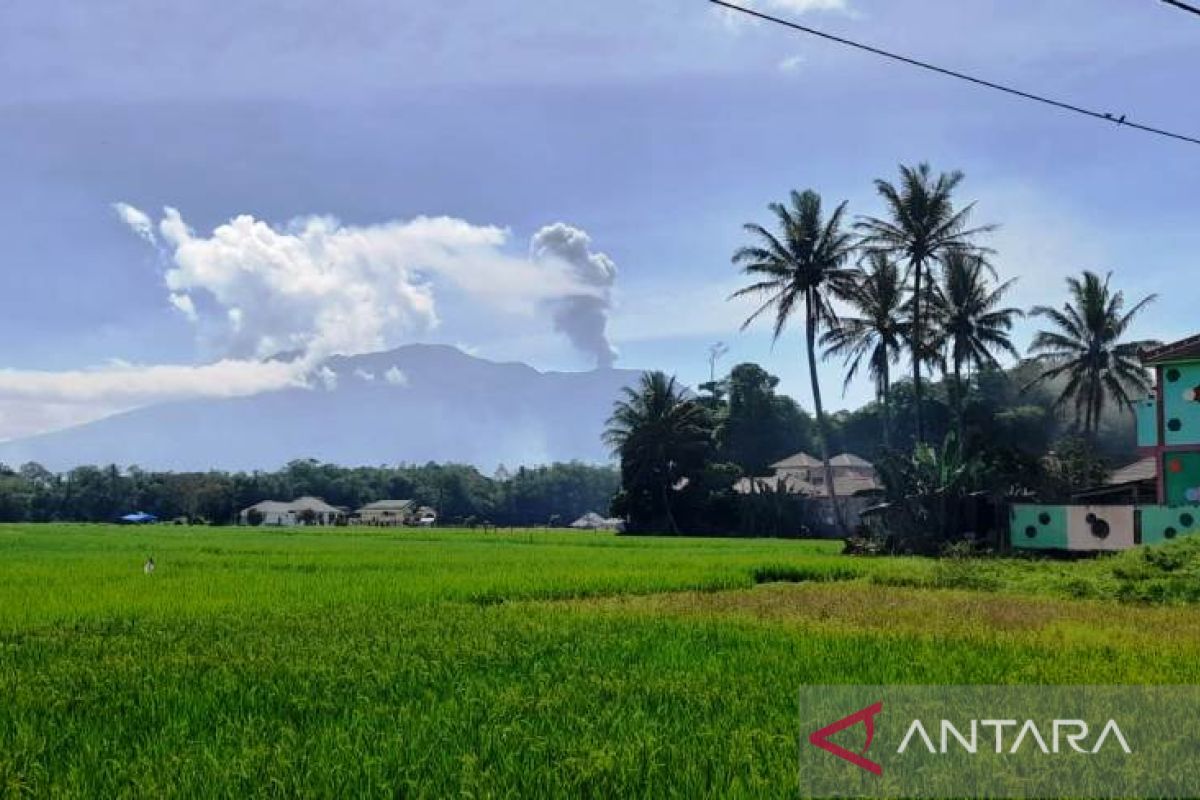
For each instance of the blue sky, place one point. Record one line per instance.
(657, 127)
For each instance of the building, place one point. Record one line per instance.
(385, 512)
(1134, 483)
(592, 521)
(1168, 436)
(301, 511)
(854, 482)
(805, 475)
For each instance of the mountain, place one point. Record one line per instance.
(414, 404)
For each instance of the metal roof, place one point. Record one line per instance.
(844, 485)
(387, 505)
(1143, 470)
(802, 460)
(849, 460)
(1182, 350)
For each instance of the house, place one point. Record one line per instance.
(269, 512)
(301, 511)
(805, 475)
(385, 512)
(592, 521)
(854, 482)
(1153, 500)
(137, 518)
(1133, 483)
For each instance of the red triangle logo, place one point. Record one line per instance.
(867, 717)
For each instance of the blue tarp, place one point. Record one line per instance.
(139, 517)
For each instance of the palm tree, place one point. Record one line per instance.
(659, 434)
(922, 228)
(969, 324)
(877, 335)
(1085, 347)
(802, 265)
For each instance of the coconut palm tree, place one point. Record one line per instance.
(969, 326)
(877, 335)
(922, 227)
(803, 265)
(1084, 347)
(660, 434)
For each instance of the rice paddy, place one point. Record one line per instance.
(418, 663)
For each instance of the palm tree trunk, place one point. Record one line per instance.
(1096, 413)
(1091, 424)
(958, 399)
(1087, 414)
(810, 337)
(666, 499)
(885, 382)
(918, 342)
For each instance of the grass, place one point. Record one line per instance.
(357, 662)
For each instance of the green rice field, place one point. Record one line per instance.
(448, 663)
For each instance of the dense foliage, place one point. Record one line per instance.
(555, 494)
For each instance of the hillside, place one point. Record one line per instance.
(414, 404)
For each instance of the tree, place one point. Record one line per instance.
(922, 228)
(970, 326)
(802, 266)
(759, 426)
(1084, 347)
(662, 438)
(925, 490)
(877, 335)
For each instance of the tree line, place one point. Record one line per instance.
(917, 283)
(556, 494)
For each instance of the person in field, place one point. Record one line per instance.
(148, 567)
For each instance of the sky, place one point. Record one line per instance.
(193, 187)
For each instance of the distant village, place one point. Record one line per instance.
(310, 510)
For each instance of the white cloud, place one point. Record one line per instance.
(136, 219)
(32, 401)
(121, 381)
(396, 377)
(327, 378)
(364, 375)
(469, 349)
(791, 64)
(804, 6)
(319, 287)
(736, 20)
(185, 306)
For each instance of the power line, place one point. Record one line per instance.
(1118, 120)
(1184, 6)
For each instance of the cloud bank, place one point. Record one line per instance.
(33, 401)
(315, 287)
(318, 287)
